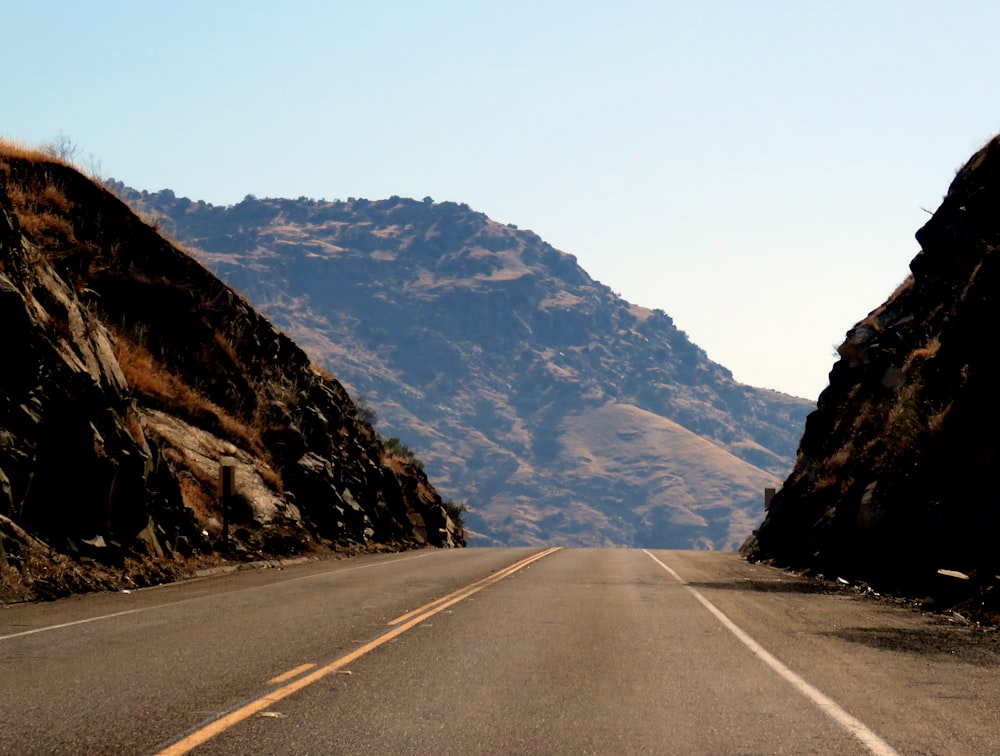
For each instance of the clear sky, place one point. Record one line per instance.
(755, 169)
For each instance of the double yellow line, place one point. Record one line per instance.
(452, 598)
(399, 626)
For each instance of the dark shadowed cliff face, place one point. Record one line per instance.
(129, 374)
(560, 412)
(898, 474)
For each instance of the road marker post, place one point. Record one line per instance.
(227, 487)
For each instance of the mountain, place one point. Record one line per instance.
(896, 481)
(131, 375)
(557, 411)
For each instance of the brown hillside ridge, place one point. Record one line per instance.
(560, 412)
(898, 475)
(130, 374)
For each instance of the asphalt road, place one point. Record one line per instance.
(496, 651)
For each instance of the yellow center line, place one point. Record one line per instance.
(212, 729)
(495, 576)
(290, 674)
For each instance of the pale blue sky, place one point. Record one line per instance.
(755, 169)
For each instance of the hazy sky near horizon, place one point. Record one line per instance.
(757, 170)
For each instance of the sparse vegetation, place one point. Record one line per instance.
(12, 149)
(41, 210)
(133, 456)
(396, 449)
(897, 473)
(366, 413)
(924, 353)
(153, 381)
(455, 512)
(196, 494)
(63, 149)
(458, 324)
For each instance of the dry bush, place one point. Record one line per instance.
(319, 370)
(906, 425)
(225, 346)
(144, 374)
(29, 201)
(398, 455)
(42, 211)
(393, 463)
(46, 226)
(55, 198)
(13, 149)
(924, 353)
(196, 497)
(147, 377)
(270, 476)
(456, 512)
(935, 423)
(61, 150)
(824, 485)
(839, 458)
(904, 287)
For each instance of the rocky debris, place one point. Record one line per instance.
(897, 473)
(130, 374)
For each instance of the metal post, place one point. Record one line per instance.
(227, 480)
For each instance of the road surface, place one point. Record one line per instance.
(527, 651)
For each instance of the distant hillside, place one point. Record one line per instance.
(129, 375)
(555, 409)
(898, 473)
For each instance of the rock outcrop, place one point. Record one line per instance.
(129, 375)
(898, 474)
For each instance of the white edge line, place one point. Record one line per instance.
(141, 609)
(80, 622)
(827, 705)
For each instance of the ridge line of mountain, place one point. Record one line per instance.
(484, 346)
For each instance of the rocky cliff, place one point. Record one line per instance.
(129, 375)
(560, 412)
(897, 476)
